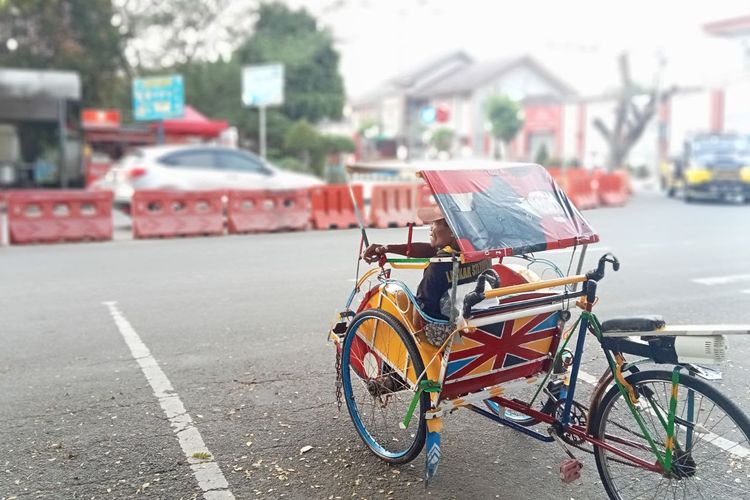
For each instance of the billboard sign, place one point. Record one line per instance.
(263, 85)
(100, 118)
(158, 98)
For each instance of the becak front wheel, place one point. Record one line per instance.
(380, 367)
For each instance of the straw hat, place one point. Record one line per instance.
(430, 214)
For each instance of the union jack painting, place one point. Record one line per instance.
(502, 347)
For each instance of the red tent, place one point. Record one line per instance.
(193, 123)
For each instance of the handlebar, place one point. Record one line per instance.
(477, 295)
(598, 273)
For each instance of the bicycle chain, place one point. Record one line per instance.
(339, 383)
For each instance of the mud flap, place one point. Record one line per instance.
(432, 456)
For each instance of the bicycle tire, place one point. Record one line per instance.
(690, 465)
(379, 448)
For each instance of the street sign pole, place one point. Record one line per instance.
(263, 86)
(62, 120)
(160, 132)
(262, 131)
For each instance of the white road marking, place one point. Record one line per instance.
(710, 437)
(745, 291)
(587, 377)
(206, 471)
(723, 280)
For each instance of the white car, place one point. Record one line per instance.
(195, 167)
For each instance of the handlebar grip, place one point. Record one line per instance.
(598, 273)
(477, 295)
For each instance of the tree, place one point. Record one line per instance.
(504, 115)
(631, 118)
(177, 32)
(304, 141)
(441, 139)
(333, 144)
(75, 35)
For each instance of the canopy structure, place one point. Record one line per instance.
(193, 123)
(510, 210)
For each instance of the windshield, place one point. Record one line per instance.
(726, 151)
(509, 210)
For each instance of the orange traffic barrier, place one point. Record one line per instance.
(613, 190)
(43, 216)
(165, 214)
(255, 211)
(625, 176)
(580, 188)
(332, 206)
(424, 199)
(393, 205)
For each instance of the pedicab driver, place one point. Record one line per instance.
(433, 291)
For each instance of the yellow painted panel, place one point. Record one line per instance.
(484, 367)
(521, 322)
(541, 346)
(466, 343)
(387, 342)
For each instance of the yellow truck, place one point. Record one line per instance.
(711, 167)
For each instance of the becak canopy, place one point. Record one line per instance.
(509, 210)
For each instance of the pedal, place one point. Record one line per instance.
(570, 470)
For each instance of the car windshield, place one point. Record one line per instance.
(720, 152)
(733, 145)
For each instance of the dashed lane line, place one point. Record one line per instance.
(206, 471)
(723, 280)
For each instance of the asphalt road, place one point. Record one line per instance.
(237, 326)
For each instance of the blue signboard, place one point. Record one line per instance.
(428, 114)
(263, 85)
(157, 98)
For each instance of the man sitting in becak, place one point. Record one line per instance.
(433, 291)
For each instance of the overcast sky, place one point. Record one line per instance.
(578, 40)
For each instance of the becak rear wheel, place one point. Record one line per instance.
(380, 366)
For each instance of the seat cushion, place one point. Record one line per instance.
(634, 324)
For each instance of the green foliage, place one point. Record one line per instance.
(337, 144)
(441, 139)
(72, 35)
(505, 117)
(303, 141)
(291, 163)
(302, 137)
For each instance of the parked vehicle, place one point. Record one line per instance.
(195, 167)
(712, 166)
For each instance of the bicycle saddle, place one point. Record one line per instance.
(634, 324)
